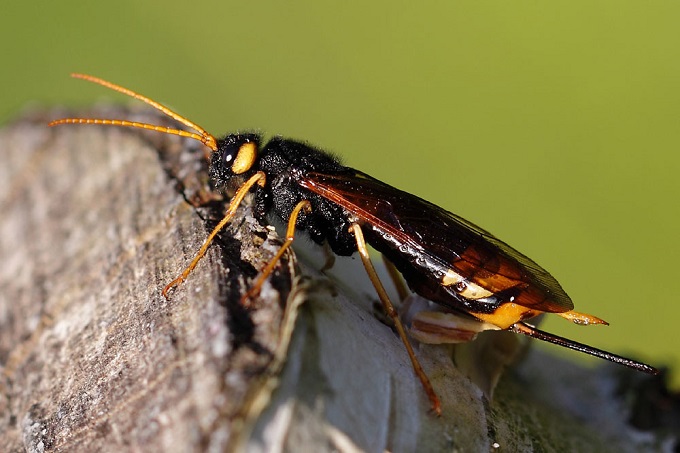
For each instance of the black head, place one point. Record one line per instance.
(235, 160)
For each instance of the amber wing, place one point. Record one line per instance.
(443, 237)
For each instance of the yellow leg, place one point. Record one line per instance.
(257, 178)
(392, 313)
(269, 268)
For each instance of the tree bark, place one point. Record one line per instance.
(96, 221)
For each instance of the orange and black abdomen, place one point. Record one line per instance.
(443, 257)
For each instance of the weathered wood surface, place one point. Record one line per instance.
(96, 221)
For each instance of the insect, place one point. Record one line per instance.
(480, 281)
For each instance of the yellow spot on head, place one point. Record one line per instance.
(245, 158)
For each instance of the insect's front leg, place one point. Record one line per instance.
(258, 178)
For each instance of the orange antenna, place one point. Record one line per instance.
(201, 134)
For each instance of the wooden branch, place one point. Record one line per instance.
(96, 221)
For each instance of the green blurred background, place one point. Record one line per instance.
(554, 125)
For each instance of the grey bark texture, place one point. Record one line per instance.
(96, 221)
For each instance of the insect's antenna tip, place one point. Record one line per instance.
(80, 75)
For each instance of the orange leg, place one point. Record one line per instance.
(269, 268)
(257, 178)
(392, 313)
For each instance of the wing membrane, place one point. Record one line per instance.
(442, 237)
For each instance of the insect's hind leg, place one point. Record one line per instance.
(392, 313)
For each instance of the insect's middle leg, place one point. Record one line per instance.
(392, 313)
(269, 268)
